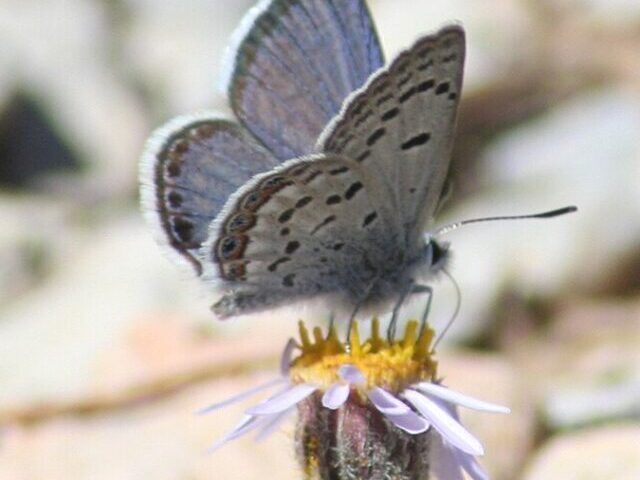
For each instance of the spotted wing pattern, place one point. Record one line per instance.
(189, 169)
(400, 126)
(294, 64)
(309, 227)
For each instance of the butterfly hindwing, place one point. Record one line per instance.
(294, 64)
(400, 125)
(189, 169)
(309, 227)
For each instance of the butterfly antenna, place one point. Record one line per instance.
(455, 312)
(332, 318)
(550, 214)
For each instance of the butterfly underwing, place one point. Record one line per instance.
(331, 171)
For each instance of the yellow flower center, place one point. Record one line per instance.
(390, 365)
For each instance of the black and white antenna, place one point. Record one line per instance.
(453, 226)
(550, 214)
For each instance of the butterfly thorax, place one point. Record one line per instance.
(391, 279)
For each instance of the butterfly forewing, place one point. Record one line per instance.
(295, 63)
(190, 168)
(400, 126)
(307, 228)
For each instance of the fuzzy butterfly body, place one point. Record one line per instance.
(334, 169)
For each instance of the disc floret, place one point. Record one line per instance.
(392, 365)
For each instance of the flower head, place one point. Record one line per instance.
(371, 406)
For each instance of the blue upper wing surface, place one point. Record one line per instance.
(294, 63)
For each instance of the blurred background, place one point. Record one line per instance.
(106, 349)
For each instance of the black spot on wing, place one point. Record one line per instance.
(303, 201)
(325, 222)
(240, 222)
(375, 136)
(173, 169)
(363, 156)
(287, 281)
(174, 199)
(292, 246)
(183, 229)
(352, 190)
(426, 85)
(333, 199)
(389, 114)
(339, 170)
(408, 94)
(416, 141)
(274, 266)
(369, 219)
(362, 119)
(311, 177)
(384, 99)
(442, 88)
(286, 215)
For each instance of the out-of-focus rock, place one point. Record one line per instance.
(176, 50)
(603, 453)
(569, 156)
(494, 379)
(112, 314)
(59, 53)
(585, 369)
(492, 30)
(163, 440)
(32, 237)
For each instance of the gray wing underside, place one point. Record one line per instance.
(400, 125)
(190, 168)
(295, 63)
(320, 231)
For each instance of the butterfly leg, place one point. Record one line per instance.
(391, 331)
(332, 317)
(350, 327)
(425, 314)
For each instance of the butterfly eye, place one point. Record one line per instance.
(439, 253)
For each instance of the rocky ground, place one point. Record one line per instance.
(107, 350)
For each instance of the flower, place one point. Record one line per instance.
(383, 393)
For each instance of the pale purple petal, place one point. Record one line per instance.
(272, 424)
(283, 401)
(442, 460)
(285, 359)
(247, 424)
(351, 374)
(460, 399)
(410, 422)
(387, 403)
(471, 465)
(241, 396)
(453, 432)
(335, 396)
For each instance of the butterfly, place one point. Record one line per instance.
(327, 179)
